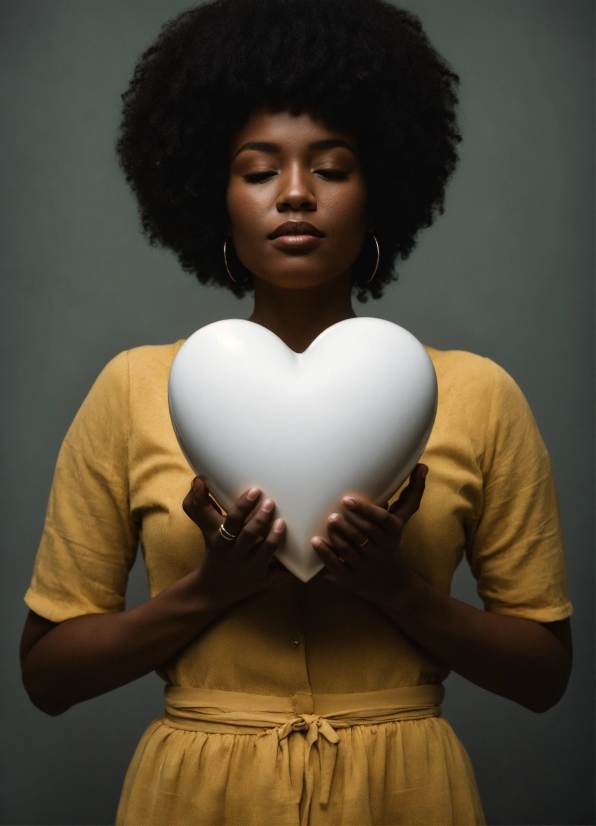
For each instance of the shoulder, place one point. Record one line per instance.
(138, 370)
(150, 358)
(149, 370)
(476, 379)
(144, 366)
(454, 365)
(477, 391)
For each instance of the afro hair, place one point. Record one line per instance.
(363, 66)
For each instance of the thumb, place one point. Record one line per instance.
(199, 506)
(409, 500)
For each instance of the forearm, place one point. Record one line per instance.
(86, 656)
(511, 656)
(92, 654)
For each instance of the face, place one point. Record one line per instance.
(296, 200)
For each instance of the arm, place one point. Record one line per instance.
(517, 658)
(68, 662)
(520, 659)
(75, 660)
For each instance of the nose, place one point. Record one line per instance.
(296, 191)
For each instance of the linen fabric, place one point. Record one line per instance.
(119, 482)
(293, 758)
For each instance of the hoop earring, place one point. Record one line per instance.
(226, 261)
(378, 257)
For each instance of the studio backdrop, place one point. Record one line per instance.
(506, 272)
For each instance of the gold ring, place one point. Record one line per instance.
(341, 559)
(226, 534)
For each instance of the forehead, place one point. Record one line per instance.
(291, 131)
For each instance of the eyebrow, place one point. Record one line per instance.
(275, 148)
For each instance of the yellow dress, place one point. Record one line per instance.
(303, 704)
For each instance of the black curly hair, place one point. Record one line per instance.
(363, 66)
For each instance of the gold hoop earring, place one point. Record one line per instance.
(226, 261)
(378, 257)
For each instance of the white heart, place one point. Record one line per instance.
(350, 415)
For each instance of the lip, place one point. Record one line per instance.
(296, 229)
(296, 243)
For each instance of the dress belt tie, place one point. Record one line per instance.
(317, 716)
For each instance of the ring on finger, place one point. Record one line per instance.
(362, 544)
(226, 534)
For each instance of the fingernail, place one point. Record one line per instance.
(268, 505)
(252, 494)
(316, 541)
(424, 472)
(193, 484)
(334, 517)
(349, 502)
(279, 525)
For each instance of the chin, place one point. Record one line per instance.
(293, 283)
(300, 280)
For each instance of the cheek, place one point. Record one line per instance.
(246, 208)
(235, 206)
(349, 211)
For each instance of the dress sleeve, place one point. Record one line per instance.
(89, 538)
(516, 553)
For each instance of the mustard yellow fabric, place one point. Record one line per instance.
(121, 478)
(317, 760)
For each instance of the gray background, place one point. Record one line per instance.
(507, 272)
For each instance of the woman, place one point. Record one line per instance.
(296, 149)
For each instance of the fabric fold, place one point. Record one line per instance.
(213, 711)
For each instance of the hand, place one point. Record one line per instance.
(362, 551)
(234, 569)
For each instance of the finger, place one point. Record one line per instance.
(271, 543)
(257, 526)
(365, 510)
(409, 500)
(343, 549)
(350, 533)
(216, 505)
(240, 510)
(332, 562)
(374, 533)
(199, 507)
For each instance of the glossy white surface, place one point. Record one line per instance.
(352, 414)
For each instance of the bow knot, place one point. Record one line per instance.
(314, 725)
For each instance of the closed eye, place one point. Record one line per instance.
(332, 174)
(258, 177)
(327, 174)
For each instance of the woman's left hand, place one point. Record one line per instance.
(362, 551)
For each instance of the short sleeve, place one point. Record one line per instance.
(89, 538)
(516, 553)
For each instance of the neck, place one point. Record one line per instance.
(298, 316)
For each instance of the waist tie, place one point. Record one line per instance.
(316, 715)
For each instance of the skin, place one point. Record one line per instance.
(299, 292)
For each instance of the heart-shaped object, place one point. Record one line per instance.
(350, 415)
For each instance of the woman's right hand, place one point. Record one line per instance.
(234, 569)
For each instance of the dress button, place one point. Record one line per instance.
(295, 641)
